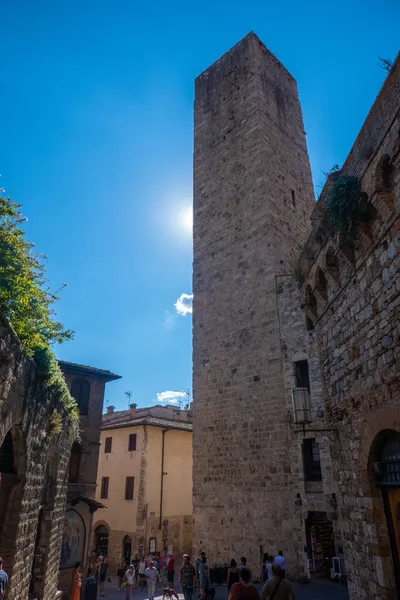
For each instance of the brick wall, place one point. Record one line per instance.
(25, 410)
(252, 200)
(357, 329)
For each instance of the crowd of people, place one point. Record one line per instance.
(148, 571)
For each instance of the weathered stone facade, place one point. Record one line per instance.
(355, 306)
(34, 474)
(252, 200)
(283, 322)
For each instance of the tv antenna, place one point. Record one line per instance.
(129, 396)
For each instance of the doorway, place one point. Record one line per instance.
(101, 536)
(320, 544)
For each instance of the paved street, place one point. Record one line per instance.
(313, 591)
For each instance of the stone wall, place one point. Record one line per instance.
(252, 200)
(34, 473)
(355, 306)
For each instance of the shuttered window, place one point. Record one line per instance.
(129, 488)
(132, 442)
(104, 487)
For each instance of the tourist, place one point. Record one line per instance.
(243, 561)
(171, 569)
(268, 567)
(102, 573)
(204, 577)
(151, 577)
(136, 563)
(121, 571)
(187, 578)
(233, 574)
(277, 588)
(244, 590)
(142, 571)
(280, 560)
(129, 580)
(3, 580)
(264, 573)
(75, 593)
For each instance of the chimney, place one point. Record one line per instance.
(132, 408)
(110, 409)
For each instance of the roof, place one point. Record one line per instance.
(170, 417)
(93, 504)
(154, 421)
(84, 369)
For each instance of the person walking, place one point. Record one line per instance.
(76, 583)
(103, 566)
(188, 578)
(142, 571)
(135, 563)
(171, 569)
(268, 567)
(233, 575)
(277, 588)
(264, 573)
(129, 580)
(121, 571)
(152, 577)
(244, 590)
(3, 580)
(280, 560)
(204, 577)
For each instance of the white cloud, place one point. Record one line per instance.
(171, 397)
(184, 304)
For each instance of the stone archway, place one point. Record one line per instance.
(12, 484)
(101, 538)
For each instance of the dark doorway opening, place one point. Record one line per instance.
(127, 548)
(101, 540)
(320, 544)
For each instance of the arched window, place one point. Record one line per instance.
(80, 390)
(321, 283)
(75, 462)
(384, 181)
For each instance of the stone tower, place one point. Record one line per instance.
(253, 197)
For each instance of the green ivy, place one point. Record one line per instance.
(27, 303)
(55, 423)
(344, 209)
(49, 370)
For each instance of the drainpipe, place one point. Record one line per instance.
(164, 431)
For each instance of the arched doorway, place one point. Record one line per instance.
(387, 473)
(101, 536)
(127, 548)
(12, 481)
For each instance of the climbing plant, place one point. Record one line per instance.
(27, 301)
(344, 208)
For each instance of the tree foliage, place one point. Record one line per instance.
(27, 302)
(344, 209)
(25, 297)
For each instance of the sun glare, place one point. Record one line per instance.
(186, 218)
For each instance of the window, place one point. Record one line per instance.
(301, 373)
(104, 487)
(75, 463)
(129, 487)
(311, 461)
(108, 445)
(80, 390)
(132, 442)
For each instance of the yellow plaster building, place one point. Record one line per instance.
(145, 482)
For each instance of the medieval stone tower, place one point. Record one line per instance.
(253, 197)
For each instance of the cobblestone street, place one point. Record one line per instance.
(313, 591)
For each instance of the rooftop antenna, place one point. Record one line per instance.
(129, 396)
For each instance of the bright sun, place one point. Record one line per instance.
(186, 218)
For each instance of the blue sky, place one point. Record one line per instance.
(96, 143)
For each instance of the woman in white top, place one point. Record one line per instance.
(130, 580)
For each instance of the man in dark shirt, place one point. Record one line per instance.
(244, 590)
(188, 578)
(277, 588)
(3, 580)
